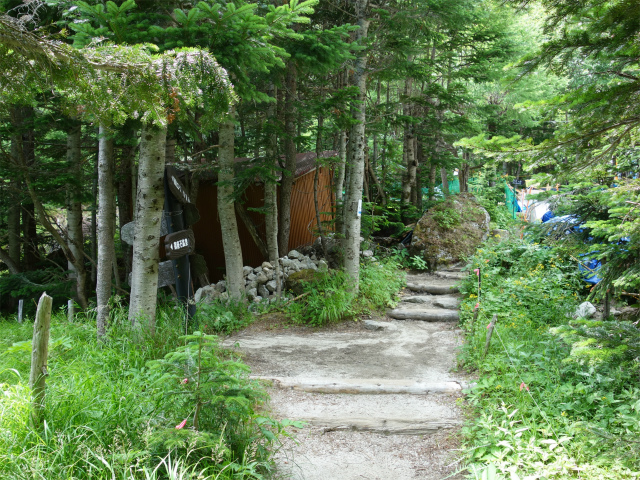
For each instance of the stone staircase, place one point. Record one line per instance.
(378, 396)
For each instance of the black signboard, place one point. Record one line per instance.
(179, 244)
(176, 186)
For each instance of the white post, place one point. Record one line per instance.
(20, 306)
(39, 353)
(71, 310)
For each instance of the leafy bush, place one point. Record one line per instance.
(541, 408)
(223, 316)
(380, 283)
(326, 300)
(112, 414)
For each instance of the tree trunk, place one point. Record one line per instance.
(409, 178)
(13, 210)
(106, 229)
(147, 217)
(340, 176)
(353, 201)
(271, 189)
(74, 214)
(124, 180)
(432, 180)
(94, 224)
(14, 268)
(315, 184)
(288, 176)
(445, 181)
(463, 174)
(226, 210)
(23, 119)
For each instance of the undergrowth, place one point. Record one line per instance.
(329, 298)
(541, 408)
(125, 408)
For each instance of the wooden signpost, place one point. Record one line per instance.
(176, 187)
(179, 244)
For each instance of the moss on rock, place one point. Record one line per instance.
(450, 231)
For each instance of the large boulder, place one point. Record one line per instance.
(450, 231)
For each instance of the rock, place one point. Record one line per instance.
(250, 285)
(257, 270)
(262, 291)
(257, 299)
(206, 294)
(367, 253)
(221, 286)
(251, 276)
(373, 325)
(271, 286)
(224, 296)
(297, 281)
(266, 265)
(500, 234)
(451, 231)
(252, 293)
(585, 310)
(323, 266)
(246, 270)
(262, 278)
(294, 254)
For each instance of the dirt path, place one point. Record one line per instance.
(379, 397)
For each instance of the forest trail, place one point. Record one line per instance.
(379, 396)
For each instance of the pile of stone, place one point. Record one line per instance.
(260, 282)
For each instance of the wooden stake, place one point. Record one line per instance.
(39, 353)
(490, 333)
(20, 307)
(71, 310)
(607, 306)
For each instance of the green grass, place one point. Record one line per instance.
(112, 408)
(539, 410)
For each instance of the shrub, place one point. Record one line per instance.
(110, 413)
(380, 283)
(326, 300)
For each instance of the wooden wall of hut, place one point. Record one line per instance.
(304, 230)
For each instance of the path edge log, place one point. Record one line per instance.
(39, 354)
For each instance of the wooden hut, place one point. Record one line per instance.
(208, 234)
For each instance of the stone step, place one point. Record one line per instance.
(433, 288)
(450, 302)
(366, 386)
(414, 311)
(386, 414)
(386, 426)
(451, 275)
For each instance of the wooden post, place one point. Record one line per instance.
(20, 307)
(490, 333)
(71, 310)
(39, 353)
(606, 311)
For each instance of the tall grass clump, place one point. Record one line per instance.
(541, 408)
(132, 407)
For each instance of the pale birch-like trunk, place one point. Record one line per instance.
(147, 218)
(106, 228)
(271, 193)
(226, 210)
(357, 157)
(340, 176)
(74, 214)
(286, 184)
